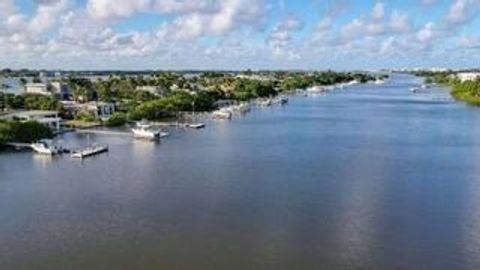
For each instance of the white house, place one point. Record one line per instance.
(99, 109)
(37, 88)
(468, 76)
(155, 90)
(49, 118)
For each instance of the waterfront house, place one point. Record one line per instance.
(49, 118)
(101, 110)
(60, 90)
(38, 88)
(468, 76)
(155, 90)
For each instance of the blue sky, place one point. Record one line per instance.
(238, 34)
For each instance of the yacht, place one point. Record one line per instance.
(46, 147)
(222, 114)
(145, 131)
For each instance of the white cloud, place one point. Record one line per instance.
(378, 12)
(427, 33)
(469, 42)
(7, 8)
(186, 6)
(192, 33)
(113, 9)
(399, 22)
(427, 2)
(47, 14)
(280, 37)
(231, 15)
(461, 11)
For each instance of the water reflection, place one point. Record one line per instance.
(347, 180)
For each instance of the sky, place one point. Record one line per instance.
(238, 34)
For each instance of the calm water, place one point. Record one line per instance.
(368, 178)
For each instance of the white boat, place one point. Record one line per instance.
(414, 89)
(222, 114)
(145, 131)
(196, 125)
(316, 89)
(90, 151)
(46, 147)
(265, 103)
(241, 108)
(379, 81)
(283, 100)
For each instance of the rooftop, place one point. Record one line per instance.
(28, 114)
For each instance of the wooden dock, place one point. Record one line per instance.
(90, 151)
(19, 145)
(103, 132)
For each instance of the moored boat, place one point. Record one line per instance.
(196, 125)
(46, 147)
(144, 130)
(265, 102)
(222, 114)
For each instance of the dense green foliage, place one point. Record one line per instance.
(170, 105)
(301, 81)
(28, 102)
(11, 101)
(86, 117)
(245, 89)
(197, 91)
(117, 119)
(26, 132)
(468, 91)
(40, 102)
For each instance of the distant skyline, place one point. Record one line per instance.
(238, 34)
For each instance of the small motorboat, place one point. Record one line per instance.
(144, 130)
(46, 147)
(196, 125)
(222, 114)
(265, 103)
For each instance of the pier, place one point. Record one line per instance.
(19, 145)
(103, 132)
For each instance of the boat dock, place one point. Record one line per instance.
(19, 145)
(103, 132)
(90, 151)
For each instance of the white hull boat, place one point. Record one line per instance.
(45, 147)
(196, 125)
(145, 131)
(222, 114)
(265, 103)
